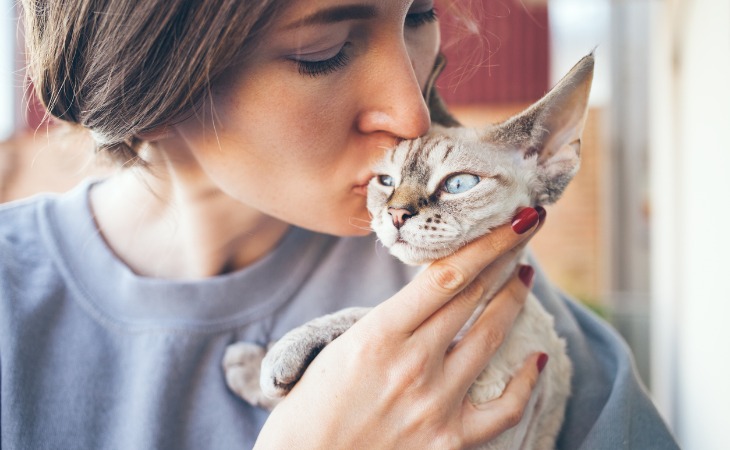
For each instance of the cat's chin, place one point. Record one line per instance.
(415, 256)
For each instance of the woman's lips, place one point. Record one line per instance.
(362, 187)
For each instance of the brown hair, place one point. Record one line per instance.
(123, 68)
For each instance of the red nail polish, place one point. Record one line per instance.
(541, 213)
(541, 361)
(525, 220)
(526, 273)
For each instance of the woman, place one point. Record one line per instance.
(247, 129)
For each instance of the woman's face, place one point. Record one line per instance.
(297, 127)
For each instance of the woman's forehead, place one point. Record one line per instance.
(322, 12)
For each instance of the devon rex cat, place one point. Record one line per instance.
(433, 195)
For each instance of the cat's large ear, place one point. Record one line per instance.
(548, 134)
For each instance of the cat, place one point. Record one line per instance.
(431, 196)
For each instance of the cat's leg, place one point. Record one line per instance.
(286, 361)
(242, 367)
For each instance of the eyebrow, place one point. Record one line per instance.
(336, 14)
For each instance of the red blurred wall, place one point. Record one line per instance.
(505, 61)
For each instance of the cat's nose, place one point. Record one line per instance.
(399, 216)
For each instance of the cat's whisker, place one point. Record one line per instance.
(353, 218)
(365, 224)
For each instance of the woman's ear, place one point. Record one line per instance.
(439, 114)
(548, 134)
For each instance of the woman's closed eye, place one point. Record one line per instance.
(313, 67)
(415, 20)
(325, 66)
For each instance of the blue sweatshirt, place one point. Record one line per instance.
(93, 356)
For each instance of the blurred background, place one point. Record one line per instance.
(639, 236)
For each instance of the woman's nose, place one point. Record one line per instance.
(393, 100)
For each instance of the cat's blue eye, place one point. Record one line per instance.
(461, 182)
(386, 180)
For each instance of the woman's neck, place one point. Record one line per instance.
(180, 226)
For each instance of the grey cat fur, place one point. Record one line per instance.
(525, 161)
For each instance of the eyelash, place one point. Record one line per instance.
(340, 60)
(415, 20)
(327, 66)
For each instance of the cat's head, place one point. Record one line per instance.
(434, 194)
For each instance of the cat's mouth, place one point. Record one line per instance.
(413, 254)
(400, 240)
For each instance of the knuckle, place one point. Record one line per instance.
(418, 362)
(448, 440)
(513, 295)
(414, 369)
(515, 417)
(517, 294)
(492, 338)
(475, 291)
(447, 278)
(513, 414)
(497, 243)
(470, 295)
(364, 350)
(410, 375)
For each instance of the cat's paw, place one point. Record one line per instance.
(489, 385)
(287, 360)
(242, 368)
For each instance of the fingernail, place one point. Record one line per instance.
(526, 273)
(541, 213)
(541, 361)
(525, 220)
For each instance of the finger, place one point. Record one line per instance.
(471, 355)
(445, 278)
(445, 324)
(485, 422)
(452, 317)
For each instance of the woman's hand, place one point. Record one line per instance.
(392, 380)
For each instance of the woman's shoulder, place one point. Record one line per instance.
(27, 269)
(28, 234)
(19, 224)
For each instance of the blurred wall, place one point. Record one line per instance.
(498, 52)
(8, 55)
(690, 101)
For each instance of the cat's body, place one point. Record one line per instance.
(433, 195)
